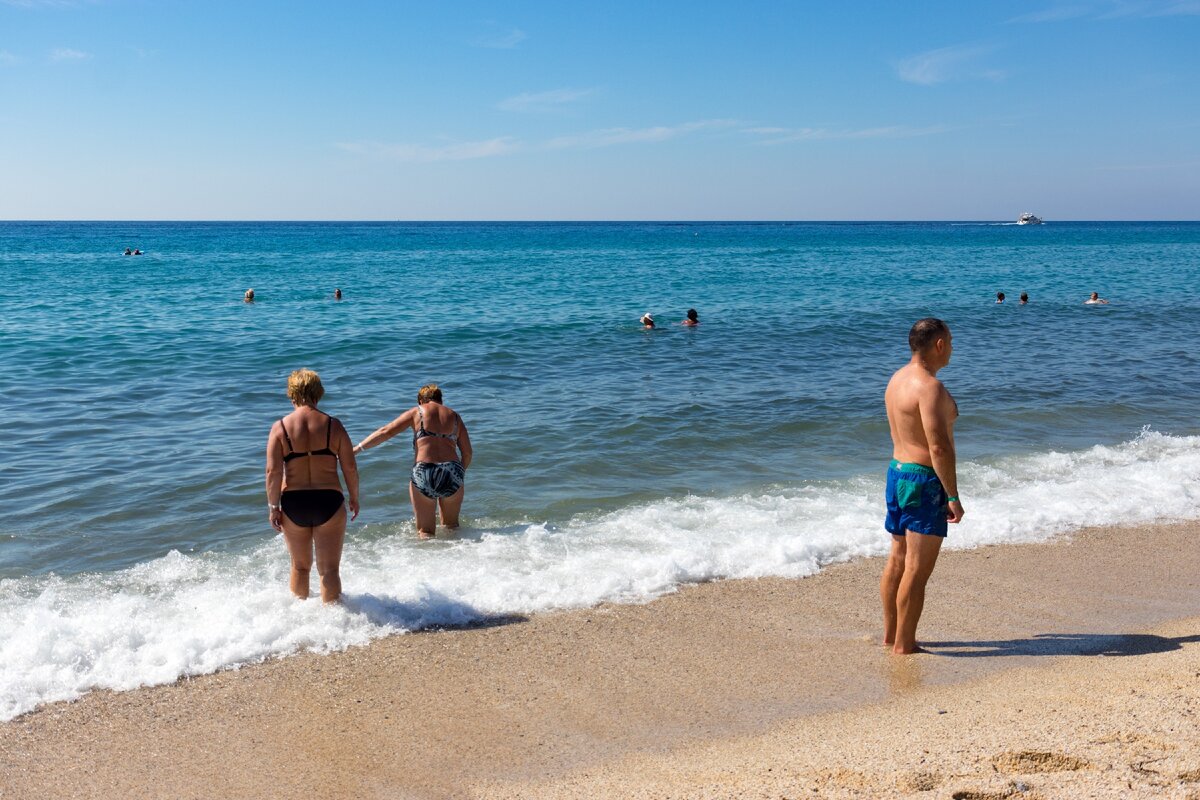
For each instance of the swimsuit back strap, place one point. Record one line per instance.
(286, 438)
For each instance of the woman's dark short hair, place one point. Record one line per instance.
(925, 332)
(692, 313)
(1024, 295)
(429, 391)
(999, 295)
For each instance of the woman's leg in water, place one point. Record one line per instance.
(328, 538)
(450, 506)
(425, 511)
(299, 542)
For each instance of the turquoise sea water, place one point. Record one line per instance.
(138, 392)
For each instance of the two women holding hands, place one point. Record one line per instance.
(304, 496)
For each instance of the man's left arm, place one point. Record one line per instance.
(937, 418)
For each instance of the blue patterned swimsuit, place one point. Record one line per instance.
(436, 479)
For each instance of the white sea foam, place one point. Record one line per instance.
(187, 615)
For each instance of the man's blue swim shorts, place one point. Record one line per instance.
(916, 500)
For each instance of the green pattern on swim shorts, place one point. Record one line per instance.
(908, 493)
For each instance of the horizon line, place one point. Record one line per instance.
(580, 221)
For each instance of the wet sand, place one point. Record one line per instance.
(1085, 652)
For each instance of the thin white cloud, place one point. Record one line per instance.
(785, 135)
(1123, 9)
(41, 3)
(1056, 14)
(67, 54)
(460, 151)
(608, 137)
(8, 58)
(507, 145)
(542, 101)
(505, 39)
(1113, 9)
(945, 64)
(1180, 8)
(1149, 167)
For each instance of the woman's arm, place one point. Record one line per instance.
(464, 443)
(345, 452)
(380, 436)
(275, 477)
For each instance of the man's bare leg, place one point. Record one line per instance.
(921, 552)
(889, 585)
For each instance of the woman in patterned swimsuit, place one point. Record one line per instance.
(439, 471)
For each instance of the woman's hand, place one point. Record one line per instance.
(276, 517)
(353, 503)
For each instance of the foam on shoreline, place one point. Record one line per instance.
(192, 614)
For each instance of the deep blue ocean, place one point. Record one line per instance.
(611, 463)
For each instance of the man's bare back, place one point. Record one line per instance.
(915, 398)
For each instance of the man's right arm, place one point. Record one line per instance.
(937, 418)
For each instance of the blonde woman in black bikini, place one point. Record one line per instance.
(439, 471)
(304, 496)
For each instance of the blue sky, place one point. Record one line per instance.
(132, 109)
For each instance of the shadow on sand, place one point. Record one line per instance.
(1064, 644)
(431, 611)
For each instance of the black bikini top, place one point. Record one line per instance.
(420, 432)
(324, 451)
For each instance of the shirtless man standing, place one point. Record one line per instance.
(922, 488)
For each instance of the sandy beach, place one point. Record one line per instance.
(1066, 669)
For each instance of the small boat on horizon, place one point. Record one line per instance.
(1028, 218)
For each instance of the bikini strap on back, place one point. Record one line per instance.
(286, 438)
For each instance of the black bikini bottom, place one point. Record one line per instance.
(309, 508)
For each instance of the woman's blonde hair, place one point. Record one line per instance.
(429, 391)
(304, 387)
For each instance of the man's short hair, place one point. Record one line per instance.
(925, 332)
